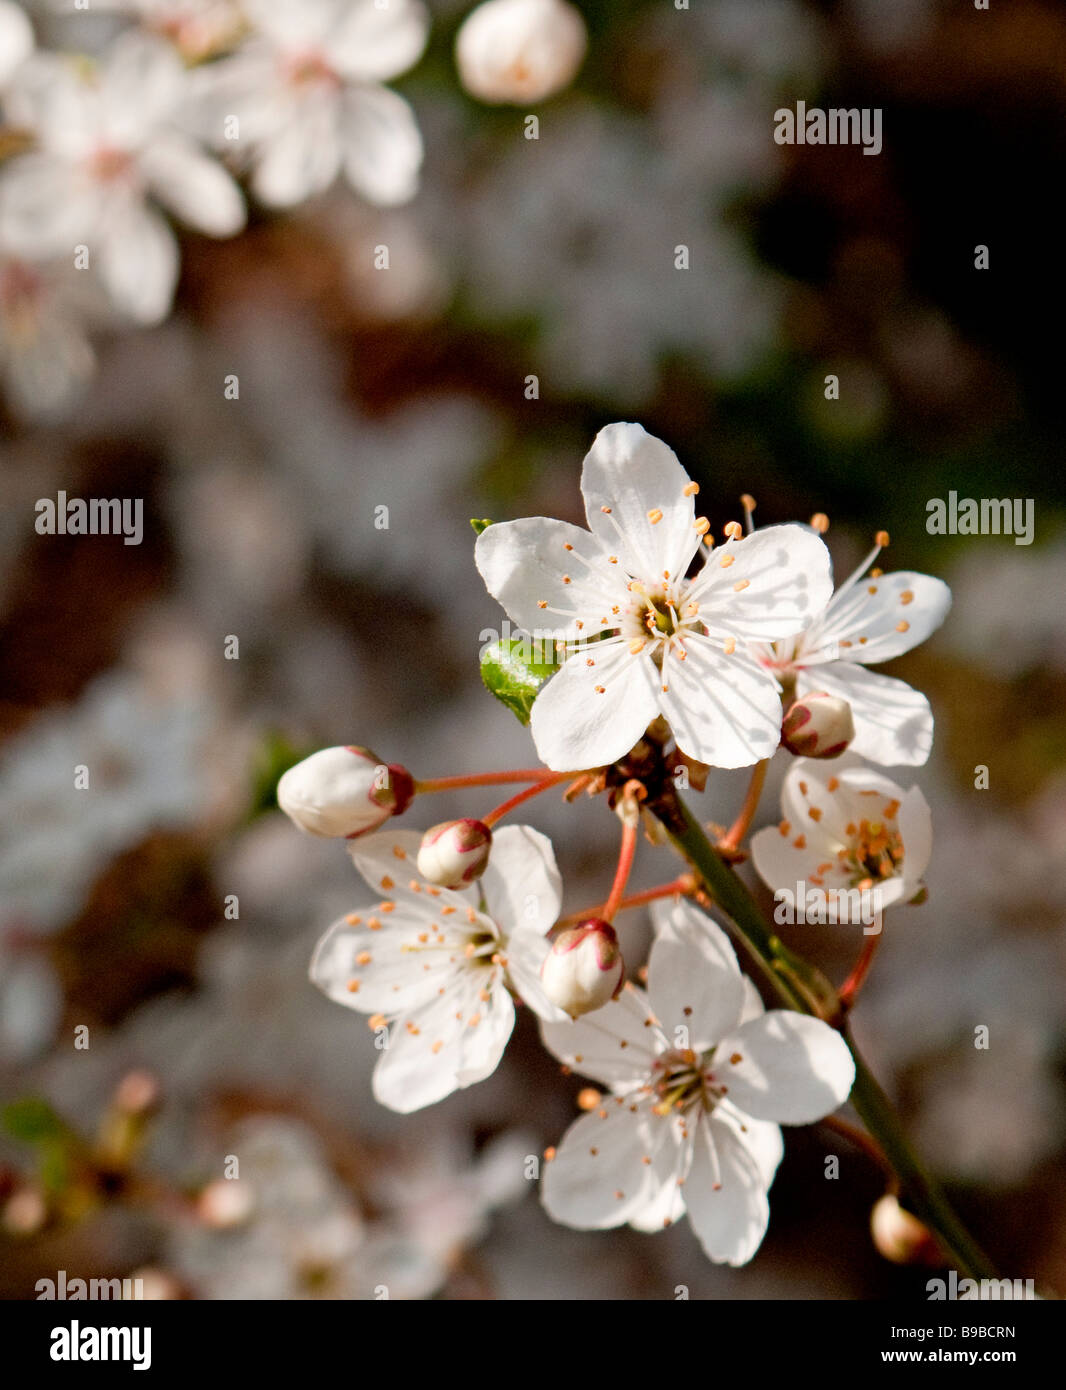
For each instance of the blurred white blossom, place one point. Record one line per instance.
(303, 100)
(107, 148)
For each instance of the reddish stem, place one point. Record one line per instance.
(862, 1141)
(849, 990)
(736, 832)
(480, 779)
(625, 864)
(526, 794)
(683, 886)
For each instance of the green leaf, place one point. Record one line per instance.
(480, 524)
(514, 671)
(33, 1121)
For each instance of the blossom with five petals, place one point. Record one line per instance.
(107, 145)
(306, 94)
(440, 964)
(700, 1078)
(671, 645)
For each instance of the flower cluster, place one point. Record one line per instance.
(193, 104)
(108, 148)
(673, 652)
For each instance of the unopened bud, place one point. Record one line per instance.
(818, 726)
(520, 51)
(344, 792)
(584, 968)
(901, 1237)
(455, 852)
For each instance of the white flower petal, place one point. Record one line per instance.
(916, 831)
(435, 1050)
(587, 716)
(893, 723)
(615, 1045)
(670, 1152)
(393, 970)
(138, 261)
(16, 40)
(388, 860)
(598, 1177)
(295, 25)
(382, 146)
(723, 710)
(522, 885)
(637, 476)
(525, 563)
(726, 1196)
(789, 1068)
(753, 1005)
(374, 43)
(779, 580)
(880, 618)
(390, 854)
(857, 788)
(762, 1139)
(694, 980)
(248, 86)
(141, 85)
(301, 158)
(778, 862)
(43, 212)
(193, 186)
(526, 952)
(49, 96)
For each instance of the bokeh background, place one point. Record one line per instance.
(406, 389)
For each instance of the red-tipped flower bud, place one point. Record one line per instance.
(584, 968)
(818, 726)
(344, 792)
(455, 852)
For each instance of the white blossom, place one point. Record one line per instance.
(438, 964)
(699, 1077)
(674, 646)
(846, 826)
(305, 98)
(107, 147)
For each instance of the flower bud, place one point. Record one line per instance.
(455, 852)
(818, 726)
(520, 51)
(901, 1237)
(584, 968)
(344, 792)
